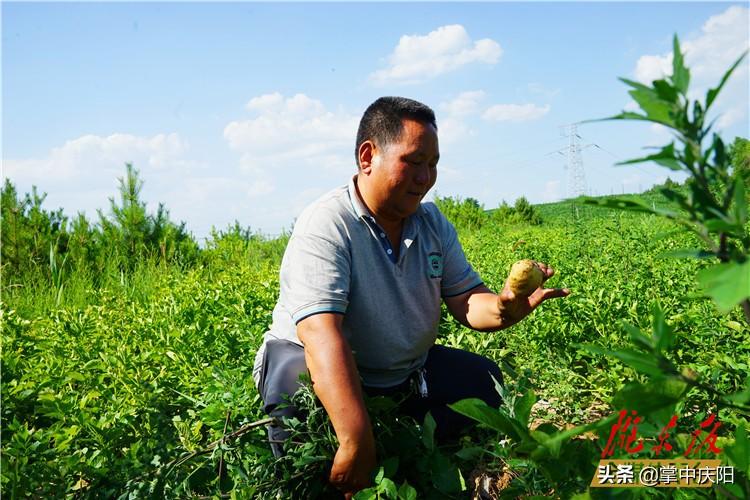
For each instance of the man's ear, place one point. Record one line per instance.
(366, 154)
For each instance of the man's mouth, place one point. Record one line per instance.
(414, 193)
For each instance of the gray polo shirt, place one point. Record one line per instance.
(339, 260)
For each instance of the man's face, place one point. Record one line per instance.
(403, 172)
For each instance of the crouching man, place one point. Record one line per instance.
(362, 281)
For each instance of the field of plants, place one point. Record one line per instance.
(106, 386)
(127, 353)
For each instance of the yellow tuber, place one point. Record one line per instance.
(525, 277)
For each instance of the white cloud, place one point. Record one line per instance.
(650, 67)
(453, 129)
(90, 155)
(81, 174)
(515, 112)
(288, 129)
(291, 134)
(721, 41)
(418, 58)
(465, 103)
(453, 123)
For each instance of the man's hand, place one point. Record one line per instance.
(353, 465)
(513, 308)
(483, 310)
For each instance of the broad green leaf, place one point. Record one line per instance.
(366, 494)
(699, 116)
(680, 74)
(629, 115)
(737, 327)
(721, 159)
(390, 466)
(663, 333)
(690, 253)
(655, 108)
(522, 408)
(635, 85)
(445, 476)
(712, 93)
(428, 432)
(389, 488)
(619, 204)
(741, 397)
(632, 206)
(551, 445)
(651, 396)
(665, 91)
(380, 475)
(739, 452)
(665, 157)
(720, 226)
(407, 492)
(597, 426)
(483, 413)
(638, 337)
(673, 195)
(78, 377)
(471, 453)
(727, 284)
(740, 202)
(642, 362)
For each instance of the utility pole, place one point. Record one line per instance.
(574, 164)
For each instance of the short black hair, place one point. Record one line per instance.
(382, 120)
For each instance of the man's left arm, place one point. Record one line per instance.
(483, 310)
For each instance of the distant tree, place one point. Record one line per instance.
(136, 233)
(526, 212)
(462, 212)
(739, 152)
(128, 225)
(521, 212)
(29, 232)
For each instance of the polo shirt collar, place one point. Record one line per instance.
(358, 205)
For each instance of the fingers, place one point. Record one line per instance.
(543, 294)
(555, 293)
(547, 270)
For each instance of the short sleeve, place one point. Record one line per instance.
(315, 275)
(458, 275)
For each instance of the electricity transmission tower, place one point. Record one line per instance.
(574, 165)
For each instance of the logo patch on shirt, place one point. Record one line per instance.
(435, 264)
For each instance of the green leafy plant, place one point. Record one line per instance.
(714, 206)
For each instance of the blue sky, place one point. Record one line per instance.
(248, 111)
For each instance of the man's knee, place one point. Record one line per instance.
(283, 364)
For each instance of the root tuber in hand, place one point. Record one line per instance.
(525, 277)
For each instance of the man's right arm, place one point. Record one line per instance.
(336, 383)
